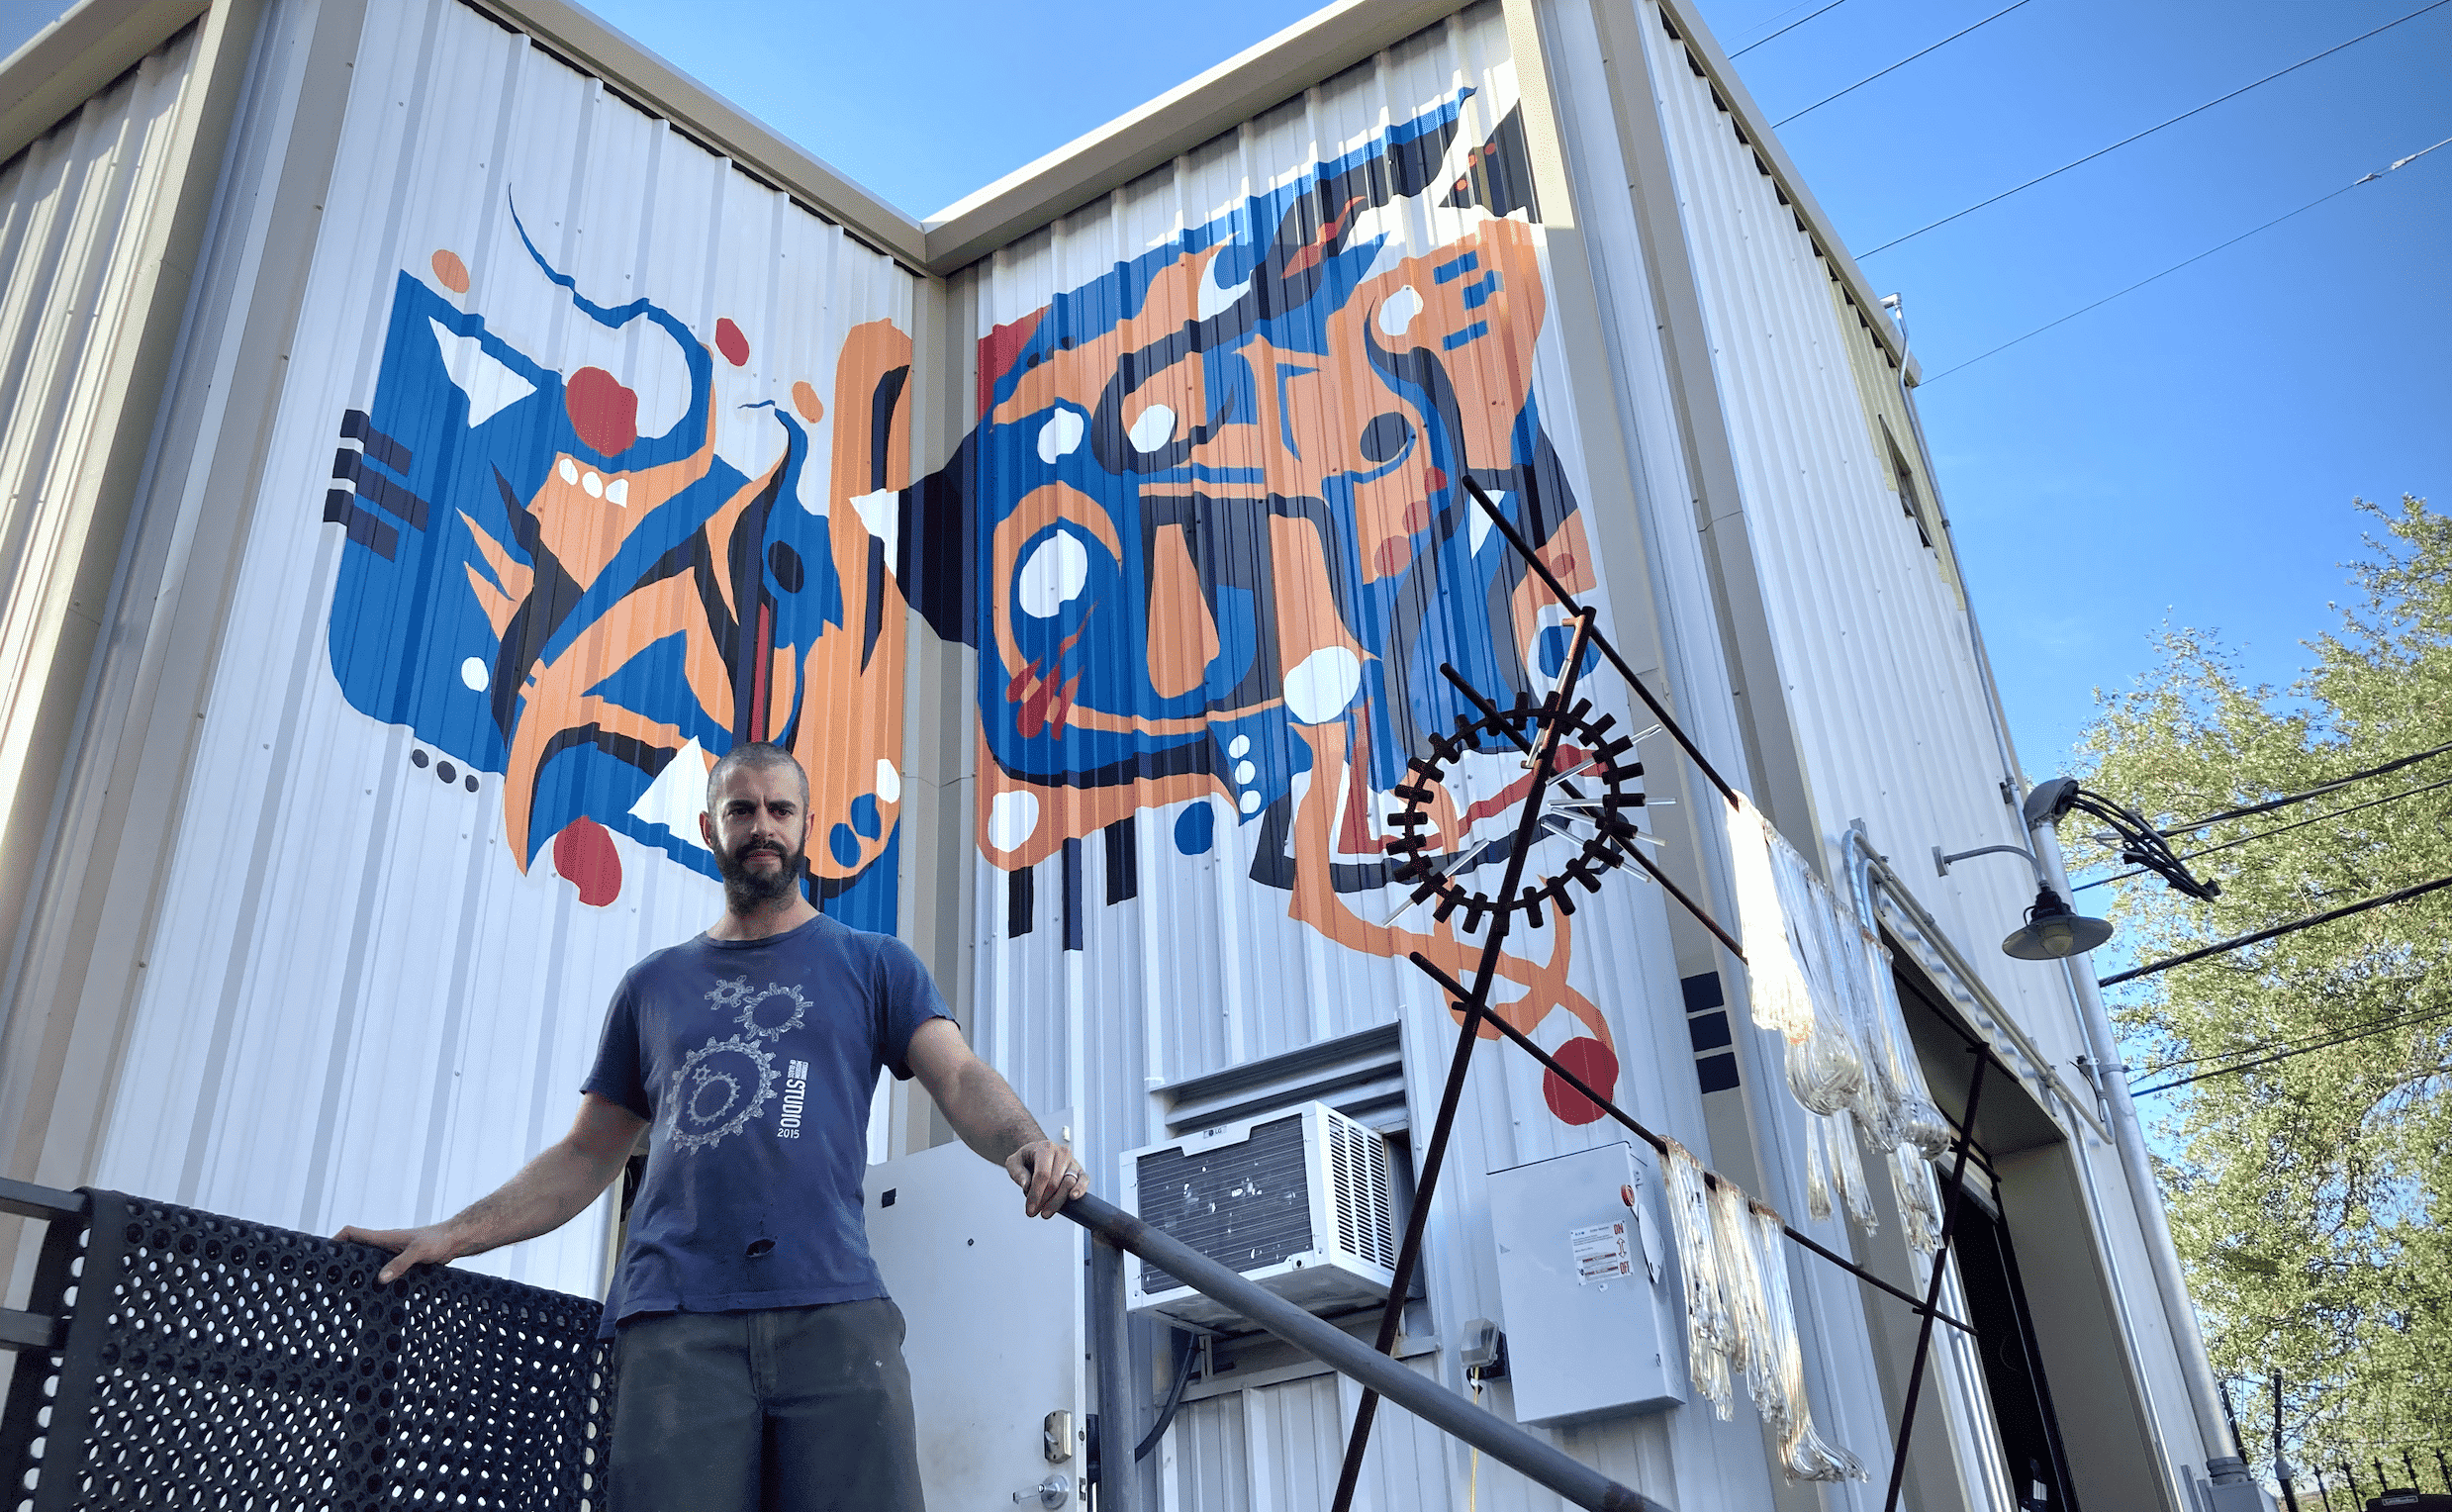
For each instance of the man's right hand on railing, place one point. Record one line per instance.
(548, 1193)
(411, 1247)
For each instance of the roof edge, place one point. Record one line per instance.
(76, 56)
(1723, 74)
(1264, 75)
(655, 86)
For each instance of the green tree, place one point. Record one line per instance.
(2306, 1194)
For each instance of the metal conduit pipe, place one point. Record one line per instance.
(1494, 1436)
(2223, 1466)
(2223, 1463)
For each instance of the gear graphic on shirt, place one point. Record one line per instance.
(719, 1088)
(774, 1012)
(724, 996)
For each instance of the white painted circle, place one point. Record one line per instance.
(1011, 819)
(1239, 746)
(888, 781)
(592, 484)
(1250, 802)
(1320, 687)
(568, 469)
(476, 674)
(1245, 772)
(1397, 310)
(619, 492)
(1053, 574)
(1059, 435)
(1155, 428)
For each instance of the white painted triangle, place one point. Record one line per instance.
(490, 386)
(678, 796)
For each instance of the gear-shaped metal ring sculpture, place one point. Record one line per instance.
(1519, 729)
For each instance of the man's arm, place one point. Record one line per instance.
(992, 1120)
(548, 1193)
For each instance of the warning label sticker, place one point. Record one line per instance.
(1601, 1252)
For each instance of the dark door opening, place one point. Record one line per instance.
(2022, 1403)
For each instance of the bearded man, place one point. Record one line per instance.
(760, 1357)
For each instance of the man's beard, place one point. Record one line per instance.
(747, 892)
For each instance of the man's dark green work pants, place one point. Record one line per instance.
(798, 1409)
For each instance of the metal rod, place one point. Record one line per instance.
(2281, 1466)
(1441, 1409)
(1551, 1063)
(1933, 1290)
(1660, 712)
(1553, 720)
(2261, 935)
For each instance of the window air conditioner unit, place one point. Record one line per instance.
(1300, 1202)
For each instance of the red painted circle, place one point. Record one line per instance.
(730, 342)
(602, 411)
(583, 855)
(1590, 1060)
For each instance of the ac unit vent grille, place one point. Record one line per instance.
(1245, 1205)
(1359, 1181)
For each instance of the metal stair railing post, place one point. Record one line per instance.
(38, 1333)
(1514, 1447)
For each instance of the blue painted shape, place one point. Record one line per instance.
(1450, 272)
(865, 818)
(1471, 332)
(1478, 294)
(868, 900)
(1195, 828)
(1554, 642)
(844, 844)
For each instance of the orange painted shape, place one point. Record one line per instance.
(1182, 632)
(449, 271)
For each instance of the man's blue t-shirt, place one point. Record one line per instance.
(755, 1062)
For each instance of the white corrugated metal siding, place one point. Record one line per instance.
(360, 1008)
(1092, 1004)
(82, 211)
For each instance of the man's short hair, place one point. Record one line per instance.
(757, 754)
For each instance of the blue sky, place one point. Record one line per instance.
(2186, 454)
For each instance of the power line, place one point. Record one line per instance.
(2175, 267)
(2149, 131)
(2326, 1037)
(2264, 834)
(2261, 935)
(1894, 68)
(2288, 799)
(1784, 30)
(2207, 1075)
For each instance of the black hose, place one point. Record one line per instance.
(1174, 1395)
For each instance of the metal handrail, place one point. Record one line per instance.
(1538, 1459)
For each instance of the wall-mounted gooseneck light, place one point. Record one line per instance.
(2052, 929)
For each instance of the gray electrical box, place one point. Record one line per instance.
(1584, 1273)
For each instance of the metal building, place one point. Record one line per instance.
(437, 430)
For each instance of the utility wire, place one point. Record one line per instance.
(2328, 1037)
(2264, 834)
(2175, 267)
(2288, 799)
(2205, 1076)
(1784, 30)
(2148, 131)
(1893, 68)
(2261, 935)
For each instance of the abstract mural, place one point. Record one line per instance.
(1209, 542)
(536, 589)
